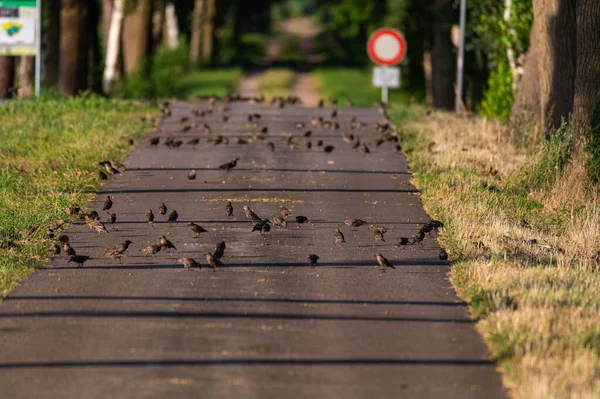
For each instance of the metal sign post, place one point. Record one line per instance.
(386, 77)
(21, 32)
(386, 47)
(460, 60)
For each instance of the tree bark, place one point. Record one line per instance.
(196, 39)
(587, 77)
(556, 56)
(137, 30)
(113, 46)
(52, 43)
(158, 22)
(527, 101)
(171, 26)
(107, 10)
(73, 59)
(208, 31)
(26, 71)
(96, 66)
(442, 59)
(7, 76)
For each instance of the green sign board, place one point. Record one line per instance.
(18, 27)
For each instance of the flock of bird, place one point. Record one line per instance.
(259, 224)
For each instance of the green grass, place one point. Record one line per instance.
(356, 84)
(209, 81)
(49, 153)
(277, 82)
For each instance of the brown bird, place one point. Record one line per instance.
(308, 133)
(112, 219)
(56, 249)
(93, 215)
(122, 247)
(443, 255)
(194, 141)
(339, 237)
(166, 244)
(418, 238)
(229, 208)
(111, 253)
(196, 229)
(78, 259)
(251, 215)
(189, 263)
(265, 228)
(280, 222)
(271, 146)
(162, 208)
(118, 166)
(321, 103)
(109, 168)
(328, 149)
(172, 218)
(365, 149)
(219, 250)
(97, 225)
(285, 212)
(354, 223)
(301, 219)
(404, 241)
(312, 259)
(72, 210)
(212, 262)
(154, 140)
(299, 125)
(102, 175)
(264, 130)
(107, 204)
(151, 249)
(383, 262)
(334, 113)
(192, 174)
(229, 165)
(63, 239)
(150, 217)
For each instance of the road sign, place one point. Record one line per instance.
(386, 46)
(386, 77)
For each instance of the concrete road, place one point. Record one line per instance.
(264, 324)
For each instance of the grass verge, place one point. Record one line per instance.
(522, 231)
(209, 81)
(49, 155)
(354, 83)
(276, 82)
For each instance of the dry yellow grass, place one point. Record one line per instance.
(522, 248)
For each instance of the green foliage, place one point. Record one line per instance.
(593, 145)
(499, 96)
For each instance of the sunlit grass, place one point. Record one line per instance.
(49, 153)
(276, 82)
(209, 81)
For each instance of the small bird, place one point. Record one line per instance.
(189, 263)
(193, 141)
(63, 239)
(219, 250)
(229, 208)
(196, 229)
(404, 241)
(258, 225)
(279, 221)
(94, 215)
(122, 247)
(102, 175)
(97, 225)
(162, 209)
(443, 255)
(383, 262)
(212, 262)
(285, 212)
(192, 174)
(154, 141)
(334, 113)
(365, 148)
(299, 125)
(166, 244)
(418, 238)
(301, 219)
(109, 168)
(111, 253)
(107, 204)
(321, 103)
(251, 215)
(307, 133)
(172, 218)
(320, 143)
(118, 166)
(378, 232)
(328, 149)
(271, 146)
(78, 259)
(56, 249)
(339, 237)
(112, 219)
(229, 165)
(312, 259)
(265, 228)
(150, 217)
(354, 223)
(151, 249)
(72, 210)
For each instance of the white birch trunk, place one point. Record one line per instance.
(172, 27)
(112, 46)
(510, 53)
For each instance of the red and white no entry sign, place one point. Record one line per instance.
(386, 46)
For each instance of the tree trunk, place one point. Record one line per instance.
(556, 55)
(137, 30)
(26, 71)
(112, 46)
(7, 76)
(172, 26)
(442, 58)
(527, 101)
(196, 39)
(158, 22)
(96, 66)
(107, 10)
(52, 43)
(73, 59)
(208, 31)
(587, 77)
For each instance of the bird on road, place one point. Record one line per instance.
(339, 237)
(219, 250)
(107, 204)
(114, 255)
(212, 262)
(78, 259)
(55, 249)
(354, 223)
(229, 165)
(150, 218)
(229, 208)
(383, 262)
(112, 219)
(251, 215)
(122, 247)
(328, 149)
(192, 174)
(271, 146)
(196, 229)
(162, 209)
(312, 259)
(284, 211)
(404, 241)
(301, 220)
(63, 239)
(151, 249)
(69, 251)
(166, 244)
(189, 263)
(443, 255)
(279, 222)
(172, 218)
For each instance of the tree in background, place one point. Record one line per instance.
(7, 76)
(136, 35)
(73, 47)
